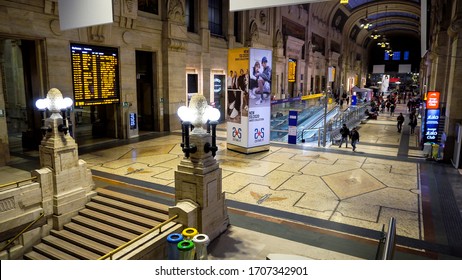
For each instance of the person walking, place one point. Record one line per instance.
(392, 109)
(345, 132)
(354, 137)
(400, 120)
(413, 123)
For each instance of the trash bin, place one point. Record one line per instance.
(186, 249)
(189, 233)
(173, 239)
(201, 241)
(427, 149)
(435, 149)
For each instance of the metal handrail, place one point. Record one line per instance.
(123, 246)
(17, 182)
(22, 231)
(389, 248)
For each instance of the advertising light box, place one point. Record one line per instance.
(248, 99)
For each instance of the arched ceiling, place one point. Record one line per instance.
(388, 17)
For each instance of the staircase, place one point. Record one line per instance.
(108, 221)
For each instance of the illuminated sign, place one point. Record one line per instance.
(293, 118)
(292, 68)
(431, 125)
(433, 100)
(331, 77)
(343, 1)
(132, 120)
(95, 75)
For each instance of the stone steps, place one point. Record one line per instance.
(108, 221)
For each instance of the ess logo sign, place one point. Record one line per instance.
(259, 134)
(237, 133)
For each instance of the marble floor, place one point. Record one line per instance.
(302, 186)
(363, 188)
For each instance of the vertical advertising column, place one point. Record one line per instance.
(432, 115)
(237, 107)
(249, 99)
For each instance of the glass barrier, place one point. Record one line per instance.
(310, 123)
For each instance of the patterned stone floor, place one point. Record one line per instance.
(363, 188)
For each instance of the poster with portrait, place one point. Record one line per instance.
(259, 97)
(248, 97)
(237, 89)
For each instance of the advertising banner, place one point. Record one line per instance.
(433, 100)
(249, 97)
(431, 125)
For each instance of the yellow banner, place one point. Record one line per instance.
(311, 96)
(343, 1)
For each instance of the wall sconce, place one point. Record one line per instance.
(195, 117)
(56, 104)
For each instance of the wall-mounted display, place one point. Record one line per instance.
(95, 75)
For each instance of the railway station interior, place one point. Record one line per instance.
(98, 159)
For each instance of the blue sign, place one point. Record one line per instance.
(354, 100)
(132, 120)
(431, 125)
(293, 116)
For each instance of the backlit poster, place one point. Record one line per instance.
(237, 96)
(248, 99)
(259, 97)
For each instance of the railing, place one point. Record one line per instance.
(123, 246)
(17, 182)
(389, 248)
(22, 231)
(386, 247)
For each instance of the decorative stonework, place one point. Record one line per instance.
(176, 45)
(175, 10)
(51, 7)
(96, 33)
(253, 34)
(7, 204)
(455, 27)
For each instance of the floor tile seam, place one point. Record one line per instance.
(297, 223)
(349, 230)
(335, 151)
(356, 218)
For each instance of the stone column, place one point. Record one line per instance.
(72, 181)
(199, 198)
(454, 88)
(173, 59)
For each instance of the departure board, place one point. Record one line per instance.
(95, 75)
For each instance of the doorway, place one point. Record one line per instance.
(22, 82)
(146, 92)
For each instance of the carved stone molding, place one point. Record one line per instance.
(176, 45)
(96, 33)
(51, 7)
(454, 27)
(278, 41)
(175, 10)
(54, 27)
(253, 34)
(129, 8)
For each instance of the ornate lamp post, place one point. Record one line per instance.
(200, 202)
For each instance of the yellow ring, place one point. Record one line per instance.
(189, 233)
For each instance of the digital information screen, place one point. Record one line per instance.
(95, 75)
